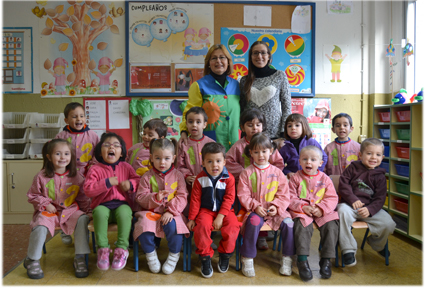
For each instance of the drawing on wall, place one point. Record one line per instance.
(186, 74)
(80, 53)
(340, 7)
(150, 78)
(17, 75)
(407, 51)
(336, 60)
(391, 54)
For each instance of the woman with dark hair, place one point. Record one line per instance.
(266, 89)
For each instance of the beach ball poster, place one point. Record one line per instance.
(238, 44)
(294, 45)
(295, 74)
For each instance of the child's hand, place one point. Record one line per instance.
(113, 181)
(358, 204)
(190, 179)
(166, 218)
(317, 212)
(272, 210)
(218, 221)
(51, 209)
(363, 212)
(279, 143)
(190, 225)
(125, 185)
(308, 210)
(161, 195)
(183, 136)
(261, 211)
(289, 175)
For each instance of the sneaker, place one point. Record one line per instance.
(262, 243)
(66, 239)
(223, 262)
(248, 267)
(382, 253)
(349, 259)
(120, 259)
(103, 258)
(286, 266)
(170, 263)
(213, 246)
(270, 235)
(80, 267)
(206, 269)
(153, 262)
(33, 269)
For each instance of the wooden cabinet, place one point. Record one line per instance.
(400, 128)
(17, 179)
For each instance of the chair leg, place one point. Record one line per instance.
(237, 253)
(189, 256)
(87, 260)
(93, 242)
(184, 253)
(365, 237)
(336, 255)
(274, 240)
(44, 248)
(279, 245)
(387, 256)
(136, 254)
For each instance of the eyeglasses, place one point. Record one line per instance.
(256, 53)
(107, 145)
(222, 59)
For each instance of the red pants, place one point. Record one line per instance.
(204, 227)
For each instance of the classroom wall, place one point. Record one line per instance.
(356, 94)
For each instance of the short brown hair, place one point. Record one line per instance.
(295, 117)
(72, 106)
(207, 68)
(371, 141)
(49, 169)
(261, 140)
(197, 110)
(213, 148)
(158, 125)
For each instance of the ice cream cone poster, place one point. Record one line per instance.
(82, 49)
(336, 54)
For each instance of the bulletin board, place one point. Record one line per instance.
(225, 14)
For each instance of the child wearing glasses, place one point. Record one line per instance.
(109, 183)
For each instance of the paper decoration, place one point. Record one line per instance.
(407, 51)
(301, 19)
(257, 16)
(335, 60)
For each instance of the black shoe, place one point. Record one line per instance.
(349, 259)
(206, 269)
(223, 262)
(382, 253)
(304, 271)
(325, 268)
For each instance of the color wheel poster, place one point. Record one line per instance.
(291, 53)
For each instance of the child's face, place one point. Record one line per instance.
(195, 125)
(342, 128)
(372, 156)
(60, 157)
(76, 118)
(321, 112)
(252, 127)
(162, 159)
(111, 150)
(148, 135)
(214, 163)
(59, 70)
(310, 161)
(294, 130)
(261, 155)
(104, 69)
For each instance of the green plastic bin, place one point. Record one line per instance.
(402, 188)
(403, 134)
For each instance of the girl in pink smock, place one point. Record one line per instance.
(104, 74)
(59, 73)
(263, 192)
(59, 202)
(162, 195)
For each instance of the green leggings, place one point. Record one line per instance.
(102, 216)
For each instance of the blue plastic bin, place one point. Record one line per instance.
(402, 169)
(385, 165)
(386, 151)
(385, 133)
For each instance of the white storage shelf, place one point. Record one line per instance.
(35, 151)
(42, 135)
(15, 151)
(39, 120)
(15, 136)
(16, 119)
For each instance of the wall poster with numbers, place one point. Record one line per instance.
(17, 74)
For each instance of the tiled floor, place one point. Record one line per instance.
(405, 268)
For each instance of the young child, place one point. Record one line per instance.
(363, 189)
(313, 198)
(109, 183)
(59, 201)
(252, 121)
(138, 154)
(297, 136)
(162, 195)
(343, 150)
(263, 192)
(83, 141)
(213, 195)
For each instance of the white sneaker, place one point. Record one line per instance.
(170, 263)
(262, 243)
(66, 239)
(153, 262)
(270, 235)
(286, 266)
(248, 267)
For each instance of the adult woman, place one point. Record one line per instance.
(266, 89)
(218, 94)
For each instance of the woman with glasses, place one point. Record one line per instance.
(266, 89)
(218, 94)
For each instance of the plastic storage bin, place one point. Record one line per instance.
(402, 188)
(403, 116)
(38, 120)
(403, 152)
(385, 133)
(402, 169)
(384, 116)
(17, 135)
(386, 150)
(401, 222)
(386, 166)
(35, 151)
(403, 134)
(401, 205)
(42, 135)
(15, 151)
(16, 119)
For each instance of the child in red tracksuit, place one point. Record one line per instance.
(213, 194)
